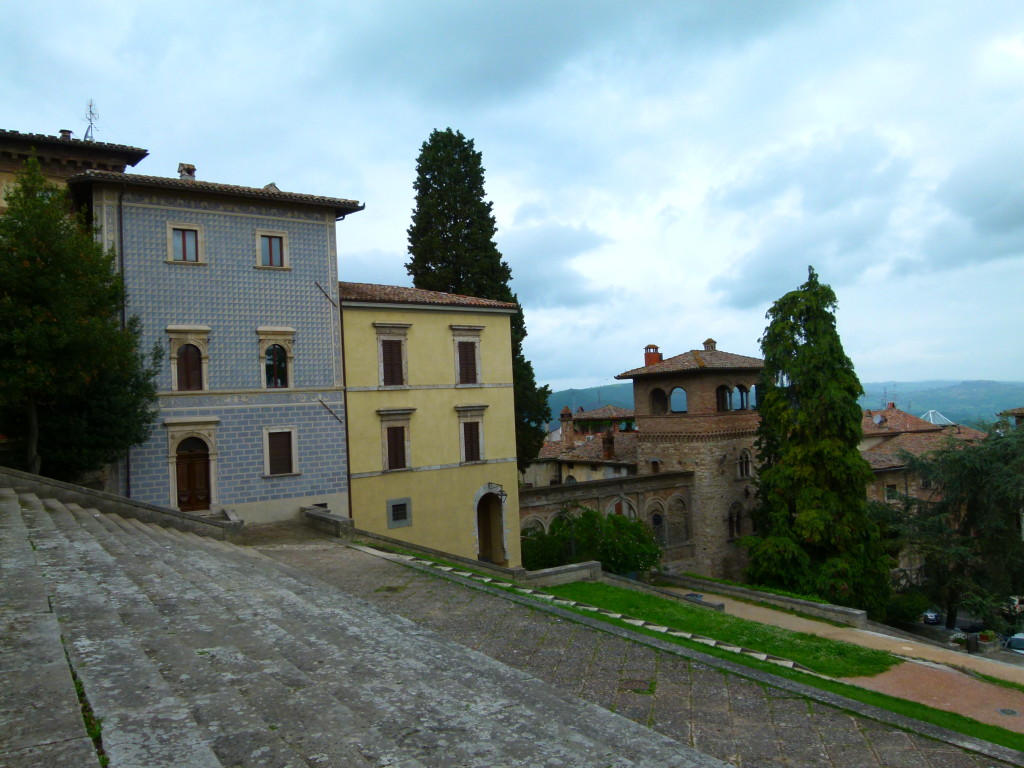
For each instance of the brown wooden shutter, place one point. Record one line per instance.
(396, 448)
(190, 368)
(279, 448)
(467, 362)
(471, 439)
(391, 362)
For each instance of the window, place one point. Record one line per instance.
(395, 437)
(190, 368)
(271, 249)
(735, 521)
(723, 398)
(399, 512)
(471, 432)
(744, 398)
(276, 345)
(392, 361)
(277, 367)
(743, 464)
(189, 347)
(659, 402)
(891, 493)
(184, 243)
(279, 451)
(467, 353)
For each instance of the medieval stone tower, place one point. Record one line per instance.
(696, 412)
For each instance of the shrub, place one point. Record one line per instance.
(906, 607)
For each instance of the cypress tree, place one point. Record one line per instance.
(814, 531)
(452, 249)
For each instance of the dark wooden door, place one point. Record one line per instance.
(193, 475)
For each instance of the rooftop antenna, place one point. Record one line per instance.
(92, 116)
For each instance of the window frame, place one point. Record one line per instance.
(395, 418)
(293, 450)
(174, 227)
(391, 505)
(199, 337)
(285, 264)
(281, 336)
(392, 332)
(467, 334)
(471, 414)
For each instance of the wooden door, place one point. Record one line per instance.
(193, 475)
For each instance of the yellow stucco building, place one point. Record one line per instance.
(431, 423)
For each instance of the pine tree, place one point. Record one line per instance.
(74, 386)
(452, 249)
(814, 531)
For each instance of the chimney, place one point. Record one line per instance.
(710, 345)
(608, 445)
(651, 354)
(568, 434)
(65, 134)
(890, 406)
(187, 171)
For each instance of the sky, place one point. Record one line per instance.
(661, 171)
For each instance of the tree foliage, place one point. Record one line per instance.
(452, 249)
(75, 391)
(967, 535)
(814, 531)
(622, 545)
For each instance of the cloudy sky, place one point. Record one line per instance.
(660, 171)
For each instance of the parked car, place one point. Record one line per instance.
(931, 617)
(973, 626)
(1015, 643)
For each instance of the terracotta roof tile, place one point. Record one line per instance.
(894, 421)
(592, 451)
(695, 360)
(133, 154)
(395, 294)
(270, 193)
(610, 412)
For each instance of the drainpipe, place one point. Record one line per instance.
(344, 403)
(124, 319)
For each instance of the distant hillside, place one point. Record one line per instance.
(966, 402)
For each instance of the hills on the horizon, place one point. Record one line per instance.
(973, 403)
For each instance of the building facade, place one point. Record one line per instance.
(237, 286)
(431, 419)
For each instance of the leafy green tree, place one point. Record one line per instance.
(967, 535)
(452, 249)
(814, 530)
(620, 544)
(75, 391)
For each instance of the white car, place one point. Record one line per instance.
(1015, 643)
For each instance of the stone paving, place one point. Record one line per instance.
(724, 715)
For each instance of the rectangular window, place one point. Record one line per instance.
(471, 440)
(280, 459)
(392, 368)
(396, 448)
(272, 250)
(467, 363)
(891, 493)
(399, 513)
(185, 245)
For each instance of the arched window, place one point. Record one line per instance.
(655, 466)
(569, 480)
(622, 507)
(735, 521)
(744, 398)
(677, 522)
(532, 527)
(658, 524)
(743, 464)
(190, 368)
(723, 398)
(659, 402)
(678, 400)
(277, 367)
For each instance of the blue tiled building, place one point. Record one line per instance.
(239, 287)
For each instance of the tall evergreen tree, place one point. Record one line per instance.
(75, 390)
(452, 249)
(814, 531)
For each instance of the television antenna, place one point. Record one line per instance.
(92, 116)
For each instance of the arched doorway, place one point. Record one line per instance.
(489, 529)
(193, 475)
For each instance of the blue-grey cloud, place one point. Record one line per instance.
(540, 256)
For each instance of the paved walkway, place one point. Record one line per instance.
(932, 675)
(729, 716)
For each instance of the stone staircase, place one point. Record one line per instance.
(194, 652)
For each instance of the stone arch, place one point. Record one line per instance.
(192, 473)
(677, 400)
(735, 521)
(723, 398)
(621, 506)
(532, 524)
(678, 523)
(744, 464)
(742, 398)
(490, 530)
(659, 402)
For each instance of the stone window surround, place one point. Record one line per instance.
(391, 504)
(295, 451)
(286, 263)
(471, 413)
(200, 243)
(468, 333)
(181, 428)
(284, 337)
(392, 332)
(199, 337)
(395, 417)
